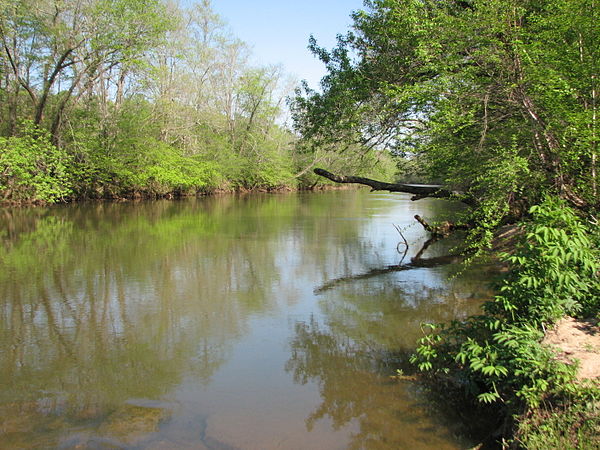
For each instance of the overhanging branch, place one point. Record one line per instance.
(419, 191)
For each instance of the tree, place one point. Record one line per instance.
(496, 98)
(61, 49)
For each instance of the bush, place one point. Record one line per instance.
(497, 356)
(572, 424)
(32, 170)
(164, 169)
(554, 270)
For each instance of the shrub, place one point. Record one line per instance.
(32, 170)
(497, 356)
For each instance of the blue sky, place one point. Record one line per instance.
(278, 30)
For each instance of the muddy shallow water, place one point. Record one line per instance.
(251, 322)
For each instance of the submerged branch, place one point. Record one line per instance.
(414, 264)
(444, 229)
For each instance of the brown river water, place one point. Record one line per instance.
(253, 322)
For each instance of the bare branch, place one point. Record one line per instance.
(419, 190)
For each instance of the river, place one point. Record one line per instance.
(225, 322)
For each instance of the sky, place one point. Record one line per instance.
(278, 30)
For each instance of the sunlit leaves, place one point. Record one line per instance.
(492, 97)
(32, 169)
(498, 356)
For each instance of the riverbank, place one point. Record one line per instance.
(141, 196)
(34, 171)
(507, 355)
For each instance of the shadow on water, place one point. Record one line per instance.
(416, 262)
(358, 383)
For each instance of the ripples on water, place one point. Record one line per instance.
(253, 322)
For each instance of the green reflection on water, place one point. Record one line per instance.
(106, 310)
(367, 332)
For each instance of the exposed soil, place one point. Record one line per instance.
(577, 340)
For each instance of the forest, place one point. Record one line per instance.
(495, 103)
(141, 98)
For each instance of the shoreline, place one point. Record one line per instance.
(140, 197)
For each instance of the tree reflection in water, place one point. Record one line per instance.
(368, 331)
(120, 323)
(108, 305)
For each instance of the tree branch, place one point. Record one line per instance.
(419, 190)
(443, 229)
(18, 76)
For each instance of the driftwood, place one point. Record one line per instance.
(419, 191)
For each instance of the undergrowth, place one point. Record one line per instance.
(572, 423)
(498, 358)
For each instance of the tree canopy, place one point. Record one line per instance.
(138, 98)
(494, 98)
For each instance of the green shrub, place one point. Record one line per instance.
(163, 169)
(554, 270)
(32, 170)
(497, 356)
(141, 165)
(573, 424)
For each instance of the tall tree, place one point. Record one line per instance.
(61, 48)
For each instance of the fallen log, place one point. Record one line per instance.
(419, 191)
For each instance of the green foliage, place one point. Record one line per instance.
(497, 356)
(555, 270)
(572, 424)
(32, 169)
(144, 167)
(168, 172)
(493, 361)
(500, 184)
(147, 98)
(493, 98)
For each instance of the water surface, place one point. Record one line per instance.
(256, 322)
